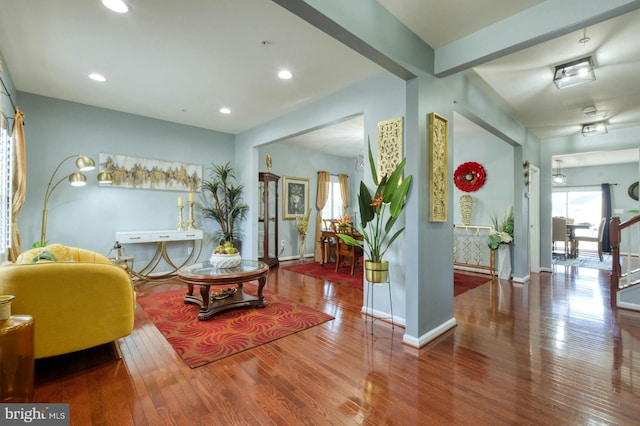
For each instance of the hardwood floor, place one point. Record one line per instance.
(550, 352)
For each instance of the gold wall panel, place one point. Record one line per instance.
(438, 131)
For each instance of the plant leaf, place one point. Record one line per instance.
(349, 240)
(372, 164)
(367, 211)
(397, 201)
(391, 184)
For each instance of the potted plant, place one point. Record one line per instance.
(502, 232)
(379, 210)
(500, 238)
(223, 203)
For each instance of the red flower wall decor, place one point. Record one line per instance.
(469, 176)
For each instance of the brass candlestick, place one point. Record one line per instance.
(180, 225)
(191, 224)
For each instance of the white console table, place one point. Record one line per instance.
(161, 238)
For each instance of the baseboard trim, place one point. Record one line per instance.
(521, 280)
(430, 335)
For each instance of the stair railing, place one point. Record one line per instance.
(619, 278)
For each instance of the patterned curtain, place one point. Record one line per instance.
(321, 199)
(344, 192)
(19, 181)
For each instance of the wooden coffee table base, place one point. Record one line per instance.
(210, 306)
(207, 277)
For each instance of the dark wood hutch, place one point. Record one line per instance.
(268, 217)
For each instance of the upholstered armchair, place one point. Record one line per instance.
(78, 301)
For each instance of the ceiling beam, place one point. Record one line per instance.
(369, 29)
(545, 21)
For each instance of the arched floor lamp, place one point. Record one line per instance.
(84, 164)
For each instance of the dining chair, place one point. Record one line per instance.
(560, 233)
(328, 240)
(593, 238)
(344, 250)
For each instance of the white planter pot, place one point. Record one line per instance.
(504, 261)
(222, 261)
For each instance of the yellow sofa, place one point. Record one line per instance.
(78, 301)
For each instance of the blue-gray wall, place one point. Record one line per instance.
(301, 163)
(496, 195)
(89, 216)
(377, 99)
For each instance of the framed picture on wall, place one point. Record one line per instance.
(295, 201)
(144, 173)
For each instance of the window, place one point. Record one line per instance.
(583, 206)
(5, 188)
(333, 208)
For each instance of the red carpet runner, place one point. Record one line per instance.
(327, 273)
(461, 282)
(201, 342)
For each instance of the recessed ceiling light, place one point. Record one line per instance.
(285, 75)
(117, 6)
(97, 77)
(225, 110)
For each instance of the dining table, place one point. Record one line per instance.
(326, 236)
(571, 228)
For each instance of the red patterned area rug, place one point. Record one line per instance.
(463, 282)
(327, 273)
(227, 333)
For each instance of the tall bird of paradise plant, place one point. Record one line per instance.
(387, 201)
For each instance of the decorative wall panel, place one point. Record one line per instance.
(389, 145)
(438, 131)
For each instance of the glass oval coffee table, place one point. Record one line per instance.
(228, 292)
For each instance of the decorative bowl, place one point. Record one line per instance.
(221, 261)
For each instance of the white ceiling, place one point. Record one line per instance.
(439, 22)
(523, 79)
(344, 139)
(182, 61)
(178, 61)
